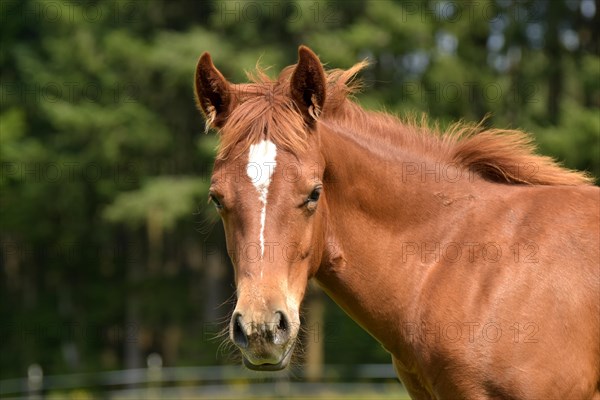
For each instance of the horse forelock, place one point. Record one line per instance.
(264, 110)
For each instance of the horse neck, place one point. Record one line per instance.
(376, 204)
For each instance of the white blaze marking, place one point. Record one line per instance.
(261, 164)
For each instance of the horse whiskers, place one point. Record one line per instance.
(229, 352)
(226, 347)
(205, 224)
(230, 300)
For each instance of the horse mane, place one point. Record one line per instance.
(508, 156)
(264, 110)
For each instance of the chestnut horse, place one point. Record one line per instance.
(472, 260)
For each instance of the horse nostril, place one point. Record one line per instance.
(283, 325)
(240, 338)
(282, 331)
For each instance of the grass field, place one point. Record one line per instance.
(270, 391)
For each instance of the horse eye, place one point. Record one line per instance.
(314, 195)
(215, 201)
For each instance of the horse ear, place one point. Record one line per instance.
(308, 84)
(213, 92)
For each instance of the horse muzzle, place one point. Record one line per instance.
(266, 345)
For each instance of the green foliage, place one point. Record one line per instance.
(582, 149)
(169, 198)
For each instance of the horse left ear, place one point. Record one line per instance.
(308, 85)
(213, 92)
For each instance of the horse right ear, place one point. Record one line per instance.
(213, 92)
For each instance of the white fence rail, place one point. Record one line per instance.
(214, 382)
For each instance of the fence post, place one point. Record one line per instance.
(35, 382)
(154, 363)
